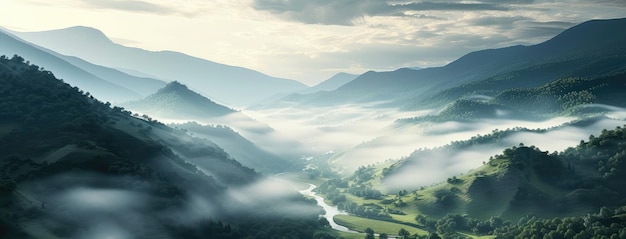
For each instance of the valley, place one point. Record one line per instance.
(120, 142)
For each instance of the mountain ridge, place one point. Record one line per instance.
(403, 86)
(234, 85)
(68, 72)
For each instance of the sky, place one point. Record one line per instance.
(310, 41)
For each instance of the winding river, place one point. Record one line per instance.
(330, 211)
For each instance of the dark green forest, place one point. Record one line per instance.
(572, 96)
(106, 148)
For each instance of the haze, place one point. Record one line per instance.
(310, 41)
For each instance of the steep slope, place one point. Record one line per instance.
(72, 167)
(103, 89)
(177, 101)
(245, 151)
(235, 86)
(142, 85)
(525, 180)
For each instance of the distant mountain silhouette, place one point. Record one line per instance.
(177, 103)
(141, 85)
(313, 93)
(175, 100)
(331, 83)
(235, 86)
(591, 49)
(86, 81)
(242, 149)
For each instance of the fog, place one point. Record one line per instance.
(424, 169)
(337, 129)
(363, 135)
(270, 196)
(80, 204)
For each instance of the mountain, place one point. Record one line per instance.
(287, 100)
(566, 96)
(525, 180)
(175, 100)
(142, 85)
(331, 83)
(245, 151)
(86, 81)
(73, 167)
(235, 86)
(177, 103)
(516, 188)
(590, 49)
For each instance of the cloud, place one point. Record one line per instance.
(133, 6)
(331, 12)
(188, 8)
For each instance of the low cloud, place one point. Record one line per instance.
(132, 6)
(345, 12)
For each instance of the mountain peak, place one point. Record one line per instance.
(174, 86)
(177, 99)
(590, 33)
(83, 33)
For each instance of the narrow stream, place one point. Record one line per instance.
(330, 210)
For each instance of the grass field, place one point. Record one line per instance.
(360, 224)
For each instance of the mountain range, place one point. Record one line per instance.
(331, 83)
(104, 89)
(234, 86)
(590, 49)
(75, 167)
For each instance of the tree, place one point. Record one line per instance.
(369, 233)
(6, 186)
(434, 235)
(403, 233)
(383, 236)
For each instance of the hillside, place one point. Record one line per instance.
(175, 100)
(235, 86)
(503, 197)
(142, 85)
(573, 96)
(525, 180)
(245, 151)
(101, 88)
(176, 103)
(73, 167)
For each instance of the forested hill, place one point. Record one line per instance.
(523, 192)
(73, 167)
(573, 96)
(175, 99)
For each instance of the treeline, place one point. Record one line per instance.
(336, 189)
(449, 225)
(604, 224)
(41, 105)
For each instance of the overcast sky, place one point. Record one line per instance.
(310, 40)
